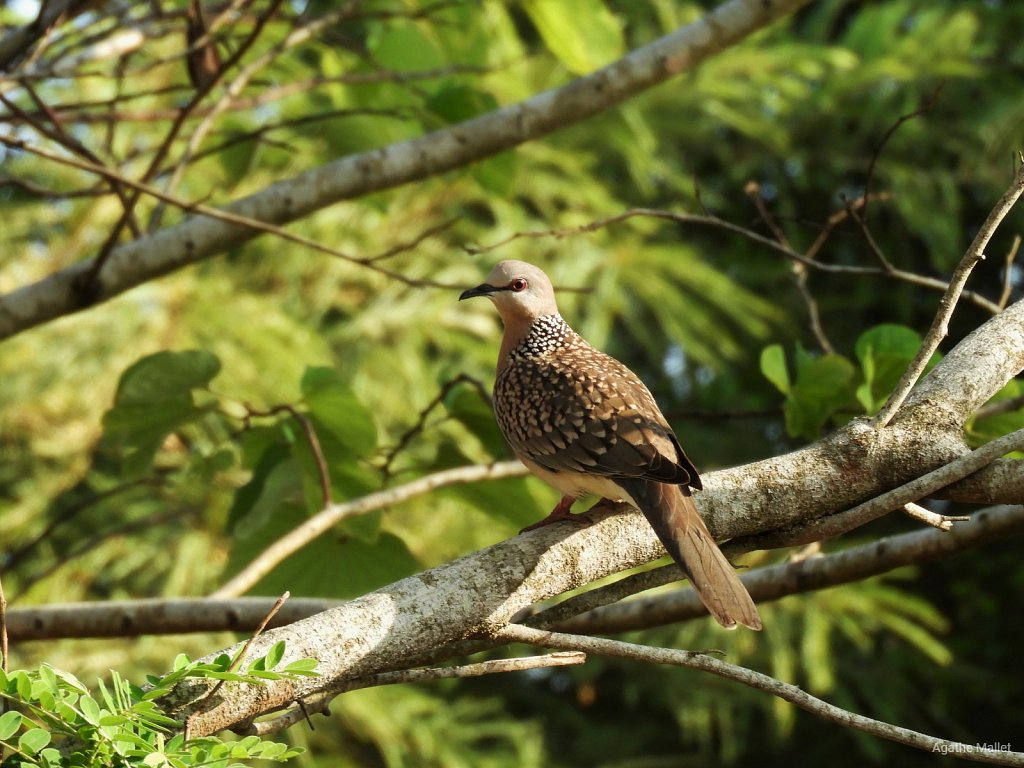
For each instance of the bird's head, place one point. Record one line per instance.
(519, 290)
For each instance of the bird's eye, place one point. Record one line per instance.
(519, 284)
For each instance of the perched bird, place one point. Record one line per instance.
(585, 423)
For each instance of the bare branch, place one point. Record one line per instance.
(926, 107)
(216, 214)
(791, 693)
(320, 701)
(934, 519)
(807, 259)
(940, 325)
(333, 514)
(314, 444)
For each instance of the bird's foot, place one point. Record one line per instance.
(609, 504)
(562, 511)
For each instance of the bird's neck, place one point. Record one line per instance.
(530, 336)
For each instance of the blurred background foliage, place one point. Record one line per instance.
(135, 462)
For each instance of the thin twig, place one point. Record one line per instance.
(753, 190)
(421, 421)
(934, 519)
(758, 681)
(999, 407)
(237, 661)
(331, 515)
(714, 221)
(924, 108)
(3, 627)
(323, 474)
(1004, 297)
(62, 138)
(948, 302)
(87, 280)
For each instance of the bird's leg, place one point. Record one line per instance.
(562, 511)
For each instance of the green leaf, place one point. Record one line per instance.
(335, 407)
(274, 478)
(773, 366)
(154, 398)
(275, 654)
(822, 386)
(302, 667)
(457, 103)
(403, 47)
(166, 376)
(583, 34)
(90, 710)
(33, 740)
(884, 353)
(10, 722)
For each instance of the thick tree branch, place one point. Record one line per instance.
(128, 618)
(778, 581)
(200, 237)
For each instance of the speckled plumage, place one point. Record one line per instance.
(582, 421)
(571, 408)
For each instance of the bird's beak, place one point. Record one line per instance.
(481, 290)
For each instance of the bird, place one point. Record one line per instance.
(586, 424)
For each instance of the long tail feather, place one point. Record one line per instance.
(673, 516)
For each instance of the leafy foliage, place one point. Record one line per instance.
(53, 720)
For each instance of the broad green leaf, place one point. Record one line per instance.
(154, 398)
(583, 34)
(334, 406)
(33, 740)
(166, 376)
(403, 47)
(274, 478)
(773, 366)
(822, 386)
(10, 722)
(884, 353)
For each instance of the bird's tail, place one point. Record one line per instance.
(673, 516)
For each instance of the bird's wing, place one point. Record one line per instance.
(601, 419)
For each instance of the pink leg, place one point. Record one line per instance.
(562, 511)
